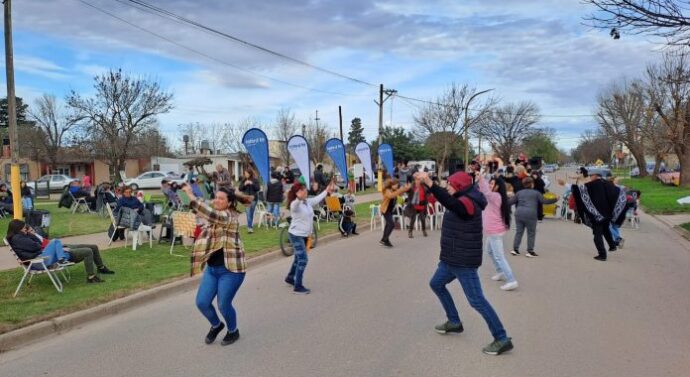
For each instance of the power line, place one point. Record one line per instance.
(497, 112)
(170, 15)
(207, 56)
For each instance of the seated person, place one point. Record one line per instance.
(6, 198)
(346, 225)
(129, 201)
(170, 194)
(196, 189)
(28, 245)
(78, 192)
(349, 199)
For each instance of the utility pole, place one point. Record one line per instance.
(317, 119)
(12, 113)
(389, 93)
(340, 114)
(304, 130)
(467, 127)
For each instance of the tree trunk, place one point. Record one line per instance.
(684, 159)
(641, 162)
(657, 166)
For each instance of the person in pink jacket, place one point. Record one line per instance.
(496, 222)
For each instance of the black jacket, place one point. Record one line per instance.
(461, 231)
(320, 178)
(252, 188)
(274, 193)
(26, 246)
(607, 199)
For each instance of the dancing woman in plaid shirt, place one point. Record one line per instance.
(220, 249)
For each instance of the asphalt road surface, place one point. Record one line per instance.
(371, 313)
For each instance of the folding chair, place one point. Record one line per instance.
(185, 200)
(183, 225)
(333, 208)
(78, 203)
(29, 271)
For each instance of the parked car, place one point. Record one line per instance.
(549, 168)
(151, 180)
(54, 182)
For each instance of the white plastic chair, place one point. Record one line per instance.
(439, 210)
(116, 227)
(262, 214)
(374, 214)
(399, 216)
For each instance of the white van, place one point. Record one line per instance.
(427, 165)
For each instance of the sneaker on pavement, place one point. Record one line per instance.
(290, 281)
(388, 244)
(301, 290)
(515, 252)
(449, 327)
(509, 286)
(621, 243)
(600, 258)
(498, 347)
(531, 254)
(230, 337)
(213, 333)
(498, 277)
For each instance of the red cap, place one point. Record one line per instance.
(460, 181)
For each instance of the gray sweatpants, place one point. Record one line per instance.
(520, 225)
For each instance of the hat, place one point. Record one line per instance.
(595, 171)
(460, 181)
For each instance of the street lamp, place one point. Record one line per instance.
(467, 126)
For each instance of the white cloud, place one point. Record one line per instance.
(40, 67)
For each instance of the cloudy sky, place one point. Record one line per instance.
(526, 50)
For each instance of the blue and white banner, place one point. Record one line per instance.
(386, 155)
(298, 147)
(256, 143)
(363, 152)
(336, 150)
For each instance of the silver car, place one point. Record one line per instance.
(54, 182)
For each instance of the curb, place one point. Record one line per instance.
(30, 334)
(677, 228)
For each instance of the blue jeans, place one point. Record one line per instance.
(54, 251)
(299, 264)
(218, 281)
(615, 232)
(494, 246)
(250, 214)
(469, 280)
(274, 209)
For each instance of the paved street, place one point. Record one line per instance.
(371, 313)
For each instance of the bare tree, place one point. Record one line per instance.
(122, 108)
(661, 18)
(670, 81)
(317, 135)
(445, 115)
(593, 146)
(507, 127)
(53, 124)
(286, 126)
(194, 133)
(624, 115)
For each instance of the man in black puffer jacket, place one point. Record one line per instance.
(461, 256)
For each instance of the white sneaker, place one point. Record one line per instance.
(498, 277)
(509, 286)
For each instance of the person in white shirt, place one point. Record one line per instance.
(301, 228)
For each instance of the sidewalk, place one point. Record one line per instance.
(7, 261)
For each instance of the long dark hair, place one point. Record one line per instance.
(505, 205)
(14, 227)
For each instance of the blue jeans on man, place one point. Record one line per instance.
(469, 280)
(218, 281)
(250, 215)
(274, 210)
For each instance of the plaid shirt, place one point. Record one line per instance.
(221, 231)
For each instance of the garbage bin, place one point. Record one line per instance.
(550, 209)
(39, 219)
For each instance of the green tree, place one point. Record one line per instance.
(540, 143)
(21, 112)
(356, 134)
(405, 146)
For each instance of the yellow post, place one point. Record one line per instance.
(16, 192)
(380, 180)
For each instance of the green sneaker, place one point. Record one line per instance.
(497, 347)
(449, 327)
